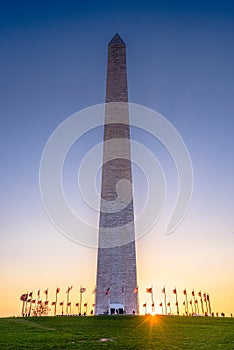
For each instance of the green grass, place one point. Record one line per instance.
(120, 332)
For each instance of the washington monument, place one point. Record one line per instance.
(116, 284)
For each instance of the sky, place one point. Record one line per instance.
(53, 61)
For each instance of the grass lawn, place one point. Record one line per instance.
(117, 332)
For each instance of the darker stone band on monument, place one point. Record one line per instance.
(116, 131)
(117, 219)
(112, 172)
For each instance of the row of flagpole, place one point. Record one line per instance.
(39, 307)
(194, 302)
(27, 298)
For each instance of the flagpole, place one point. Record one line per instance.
(205, 299)
(30, 306)
(152, 299)
(26, 305)
(169, 304)
(23, 305)
(184, 303)
(208, 299)
(187, 304)
(145, 308)
(161, 304)
(56, 299)
(202, 307)
(195, 307)
(80, 299)
(177, 305)
(191, 303)
(38, 297)
(198, 311)
(186, 299)
(46, 302)
(165, 300)
(68, 291)
(193, 294)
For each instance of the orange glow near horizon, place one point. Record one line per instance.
(51, 272)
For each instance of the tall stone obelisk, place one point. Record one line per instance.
(116, 285)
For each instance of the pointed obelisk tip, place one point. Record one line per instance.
(116, 40)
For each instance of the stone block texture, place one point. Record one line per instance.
(116, 261)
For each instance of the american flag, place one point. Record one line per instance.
(69, 289)
(24, 297)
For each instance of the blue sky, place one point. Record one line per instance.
(180, 63)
